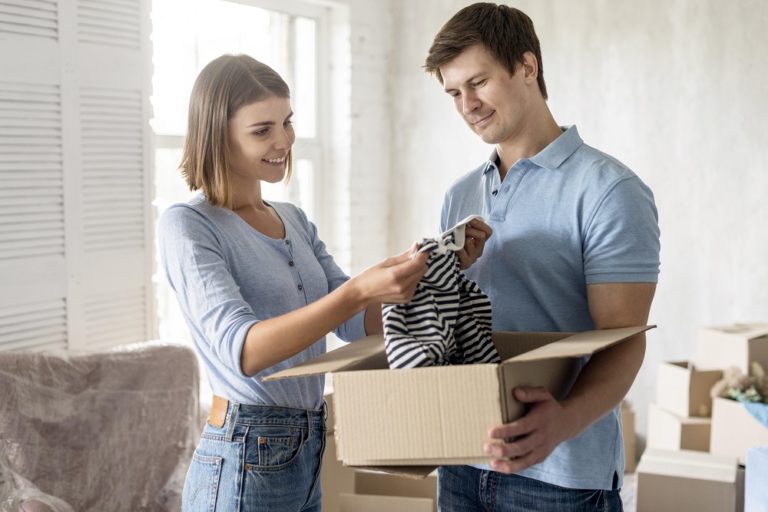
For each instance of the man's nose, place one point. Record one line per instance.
(469, 103)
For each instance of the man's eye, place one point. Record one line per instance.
(479, 83)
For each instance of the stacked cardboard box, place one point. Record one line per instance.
(683, 480)
(680, 418)
(684, 418)
(629, 437)
(350, 489)
(734, 429)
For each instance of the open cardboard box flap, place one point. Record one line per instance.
(369, 352)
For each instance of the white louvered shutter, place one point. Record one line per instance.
(75, 174)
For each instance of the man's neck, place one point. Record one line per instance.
(528, 143)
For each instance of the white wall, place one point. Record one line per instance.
(357, 195)
(675, 89)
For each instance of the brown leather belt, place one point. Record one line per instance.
(218, 412)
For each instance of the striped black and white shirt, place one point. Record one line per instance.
(448, 321)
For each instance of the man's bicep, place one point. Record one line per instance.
(620, 304)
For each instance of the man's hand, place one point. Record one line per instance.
(475, 235)
(530, 439)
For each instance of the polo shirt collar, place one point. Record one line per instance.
(552, 156)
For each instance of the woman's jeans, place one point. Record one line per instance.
(468, 489)
(264, 458)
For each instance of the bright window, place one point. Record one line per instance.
(187, 34)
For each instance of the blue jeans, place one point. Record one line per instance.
(263, 458)
(468, 489)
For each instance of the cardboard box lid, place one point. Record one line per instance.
(689, 464)
(369, 352)
(362, 354)
(748, 331)
(582, 344)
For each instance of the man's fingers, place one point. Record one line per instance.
(514, 465)
(528, 394)
(519, 427)
(481, 226)
(475, 233)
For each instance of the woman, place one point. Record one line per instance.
(259, 293)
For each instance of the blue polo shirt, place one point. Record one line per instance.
(565, 218)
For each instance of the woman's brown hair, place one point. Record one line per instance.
(222, 87)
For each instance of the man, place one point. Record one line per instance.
(575, 246)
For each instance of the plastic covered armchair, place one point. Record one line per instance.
(106, 431)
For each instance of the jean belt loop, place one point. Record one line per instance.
(231, 420)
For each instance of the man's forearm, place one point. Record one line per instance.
(604, 381)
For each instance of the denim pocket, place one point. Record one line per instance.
(270, 448)
(202, 484)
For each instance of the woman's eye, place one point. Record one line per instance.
(261, 132)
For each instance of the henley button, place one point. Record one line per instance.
(301, 287)
(290, 263)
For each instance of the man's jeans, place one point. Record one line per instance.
(468, 489)
(264, 458)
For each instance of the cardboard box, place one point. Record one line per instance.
(756, 491)
(335, 478)
(441, 415)
(733, 345)
(668, 431)
(684, 390)
(735, 430)
(370, 503)
(628, 436)
(677, 481)
(329, 421)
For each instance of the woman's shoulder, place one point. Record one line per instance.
(195, 215)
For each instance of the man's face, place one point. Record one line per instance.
(493, 103)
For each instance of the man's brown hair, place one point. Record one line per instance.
(223, 86)
(506, 32)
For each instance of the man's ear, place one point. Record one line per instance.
(530, 66)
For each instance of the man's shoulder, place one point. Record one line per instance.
(469, 180)
(598, 165)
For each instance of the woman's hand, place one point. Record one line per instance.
(475, 235)
(394, 280)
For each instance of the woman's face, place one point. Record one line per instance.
(260, 137)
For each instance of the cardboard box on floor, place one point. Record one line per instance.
(684, 390)
(372, 503)
(733, 345)
(628, 436)
(441, 415)
(735, 430)
(668, 431)
(337, 480)
(677, 481)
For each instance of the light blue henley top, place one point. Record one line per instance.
(227, 276)
(565, 218)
